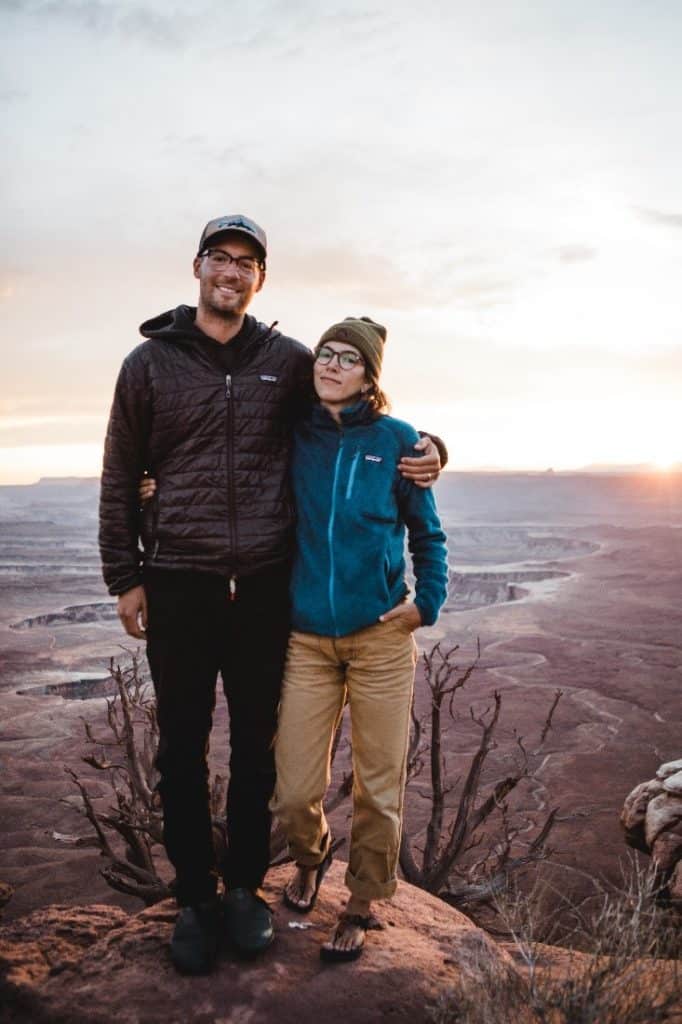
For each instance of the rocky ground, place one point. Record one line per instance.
(424, 963)
(104, 965)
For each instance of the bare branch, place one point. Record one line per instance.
(408, 864)
(461, 824)
(91, 814)
(558, 694)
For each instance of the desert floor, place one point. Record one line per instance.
(603, 624)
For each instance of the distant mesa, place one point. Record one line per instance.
(478, 589)
(51, 569)
(73, 614)
(65, 481)
(510, 545)
(635, 467)
(85, 688)
(55, 483)
(53, 490)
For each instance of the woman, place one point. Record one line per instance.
(352, 626)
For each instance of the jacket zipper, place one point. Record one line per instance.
(330, 533)
(155, 521)
(351, 477)
(231, 517)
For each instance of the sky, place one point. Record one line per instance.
(498, 183)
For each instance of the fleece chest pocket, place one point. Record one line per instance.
(370, 487)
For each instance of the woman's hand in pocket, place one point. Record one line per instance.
(405, 614)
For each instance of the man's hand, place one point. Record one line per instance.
(407, 612)
(132, 611)
(424, 469)
(146, 488)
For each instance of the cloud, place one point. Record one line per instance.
(664, 219)
(282, 27)
(341, 269)
(466, 367)
(392, 283)
(8, 96)
(576, 253)
(163, 29)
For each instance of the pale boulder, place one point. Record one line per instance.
(673, 784)
(636, 802)
(663, 812)
(652, 819)
(669, 768)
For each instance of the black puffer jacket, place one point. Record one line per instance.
(218, 446)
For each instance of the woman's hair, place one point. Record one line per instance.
(377, 400)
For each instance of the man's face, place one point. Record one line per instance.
(226, 290)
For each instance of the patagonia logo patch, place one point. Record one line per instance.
(373, 458)
(268, 378)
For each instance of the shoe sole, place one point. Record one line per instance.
(341, 956)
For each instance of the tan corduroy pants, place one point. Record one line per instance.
(374, 669)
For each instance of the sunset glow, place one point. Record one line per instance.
(515, 224)
(28, 463)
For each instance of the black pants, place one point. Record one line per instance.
(194, 632)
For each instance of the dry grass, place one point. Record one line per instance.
(627, 970)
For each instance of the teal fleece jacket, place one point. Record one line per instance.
(352, 510)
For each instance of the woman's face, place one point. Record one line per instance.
(336, 386)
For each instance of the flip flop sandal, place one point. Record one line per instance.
(331, 955)
(321, 871)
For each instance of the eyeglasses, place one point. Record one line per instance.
(218, 259)
(347, 359)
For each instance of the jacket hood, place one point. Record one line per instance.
(178, 325)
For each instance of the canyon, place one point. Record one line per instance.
(562, 582)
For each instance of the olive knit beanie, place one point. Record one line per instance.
(367, 336)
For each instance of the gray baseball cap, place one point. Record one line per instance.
(237, 223)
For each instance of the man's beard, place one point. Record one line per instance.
(228, 314)
(225, 314)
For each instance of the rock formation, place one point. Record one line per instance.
(98, 964)
(102, 611)
(652, 819)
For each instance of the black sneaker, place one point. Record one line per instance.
(248, 921)
(196, 935)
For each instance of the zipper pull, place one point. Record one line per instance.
(232, 588)
(228, 386)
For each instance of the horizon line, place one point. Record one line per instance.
(597, 469)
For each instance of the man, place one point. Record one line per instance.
(206, 406)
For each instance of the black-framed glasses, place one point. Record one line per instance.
(219, 259)
(347, 359)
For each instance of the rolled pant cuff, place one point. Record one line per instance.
(312, 860)
(364, 890)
